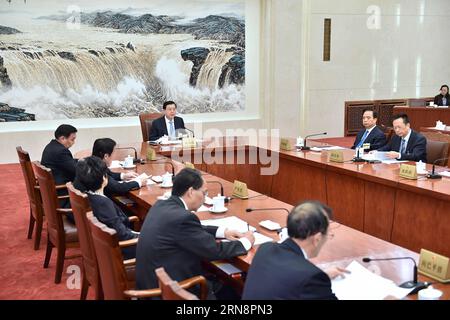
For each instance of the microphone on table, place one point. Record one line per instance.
(135, 160)
(434, 175)
(227, 199)
(171, 164)
(266, 209)
(304, 147)
(193, 135)
(358, 158)
(408, 284)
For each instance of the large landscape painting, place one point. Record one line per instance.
(92, 59)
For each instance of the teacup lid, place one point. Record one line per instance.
(430, 293)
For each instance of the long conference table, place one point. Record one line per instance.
(376, 213)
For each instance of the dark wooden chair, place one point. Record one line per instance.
(91, 274)
(172, 290)
(61, 233)
(439, 136)
(146, 120)
(437, 150)
(112, 267)
(388, 132)
(91, 277)
(34, 196)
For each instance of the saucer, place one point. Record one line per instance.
(224, 209)
(166, 185)
(130, 167)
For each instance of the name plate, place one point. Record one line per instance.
(337, 156)
(285, 144)
(189, 142)
(240, 190)
(151, 154)
(366, 146)
(434, 265)
(408, 171)
(189, 165)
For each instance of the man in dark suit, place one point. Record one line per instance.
(92, 174)
(118, 183)
(168, 124)
(57, 157)
(173, 237)
(407, 144)
(283, 271)
(442, 99)
(371, 135)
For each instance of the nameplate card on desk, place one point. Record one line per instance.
(189, 165)
(336, 156)
(151, 154)
(434, 266)
(189, 142)
(408, 171)
(285, 144)
(366, 146)
(240, 190)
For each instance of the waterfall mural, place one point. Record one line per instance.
(113, 59)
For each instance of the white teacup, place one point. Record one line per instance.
(165, 139)
(218, 203)
(128, 162)
(430, 294)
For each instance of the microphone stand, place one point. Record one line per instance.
(135, 160)
(358, 158)
(408, 284)
(304, 147)
(227, 199)
(434, 175)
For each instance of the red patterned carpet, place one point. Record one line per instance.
(22, 275)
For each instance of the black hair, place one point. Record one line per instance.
(307, 219)
(90, 172)
(185, 179)
(445, 86)
(103, 146)
(64, 130)
(375, 114)
(165, 104)
(404, 116)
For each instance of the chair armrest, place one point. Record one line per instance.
(133, 219)
(188, 283)
(61, 186)
(63, 210)
(129, 262)
(128, 243)
(63, 197)
(143, 293)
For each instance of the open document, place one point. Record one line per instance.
(362, 284)
(234, 223)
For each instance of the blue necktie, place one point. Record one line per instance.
(172, 129)
(403, 146)
(362, 139)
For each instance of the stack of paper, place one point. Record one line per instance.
(234, 223)
(362, 284)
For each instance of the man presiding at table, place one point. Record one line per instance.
(407, 144)
(371, 135)
(167, 124)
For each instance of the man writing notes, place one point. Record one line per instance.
(283, 270)
(407, 144)
(167, 124)
(173, 237)
(371, 135)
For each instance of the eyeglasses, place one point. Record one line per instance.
(205, 192)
